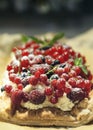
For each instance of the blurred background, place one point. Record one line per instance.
(41, 16)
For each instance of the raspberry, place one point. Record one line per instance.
(16, 98)
(77, 94)
(36, 97)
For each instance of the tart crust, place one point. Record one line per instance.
(82, 113)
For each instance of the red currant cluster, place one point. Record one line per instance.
(51, 67)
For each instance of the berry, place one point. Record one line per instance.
(36, 97)
(61, 58)
(54, 83)
(33, 80)
(20, 86)
(72, 82)
(53, 100)
(65, 76)
(55, 62)
(16, 98)
(17, 80)
(80, 83)
(77, 94)
(88, 85)
(24, 61)
(58, 93)
(9, 67)
(48, 91)
(8, 88)
(77, 69)
(54, 76)
(61, 84)
(12, 77)
(25, 53)
(59, 71)
(43, 78)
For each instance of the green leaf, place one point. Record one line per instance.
(55, 38)
(84, 69)
(36, 40)
(25, 38)
(43, 42)
(79, 62)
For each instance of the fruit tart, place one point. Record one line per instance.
(47, 83)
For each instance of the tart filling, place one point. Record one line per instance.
(47, 73)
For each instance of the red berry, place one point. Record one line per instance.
(67, 88)
(53, 100)
(60, 50)
(16, 69)
(8, 88)
(48, 91)
(65, 76)
(20, 86)
(66, 56)
(80, 83)
(43, 78)
(55, 55)
(59, 93)
(88, 85)
(59, 71)
(54, 83)
(25, 53)
(61, 58)
(77, 69)
(72, 73)
(24, 61)
(37, 74)
(33, 80)
(61, 84)
(72, 82)
(9, 67)
(12, 77)
(17, 80)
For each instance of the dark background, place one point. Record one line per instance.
(40, 16)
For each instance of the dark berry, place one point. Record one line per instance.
(56, 62)
(62, 65)
(16, 98)
(49, 74)
(77, 94)
(54, 76)
(2, 88)
(36, 97)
